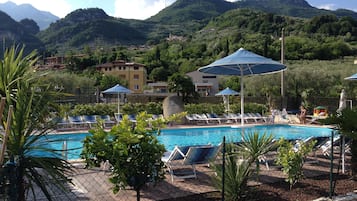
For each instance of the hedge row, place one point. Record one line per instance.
(156, 108)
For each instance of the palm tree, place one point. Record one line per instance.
(239, 159)
(255, 146)
(32, 101)
(237, 173)
(346, 122)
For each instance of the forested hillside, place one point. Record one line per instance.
(196, 43)
(322, 37)
(12, 32)
(199, 19)
(183, 11)
(92, 27)
(183, 18)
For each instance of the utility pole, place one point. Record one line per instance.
(3, 44)
(282, 91)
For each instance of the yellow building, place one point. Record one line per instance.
(134, 73)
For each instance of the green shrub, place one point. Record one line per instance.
(133, 151)
(104, 109)
(153, 108)
(93, 109)
(219, 108)
(292, 159)
(204, 108)
(135, 108)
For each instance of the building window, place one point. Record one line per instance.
(122, 77)
(136, 77)
(209, 76)
(136, 87)
(136, 68)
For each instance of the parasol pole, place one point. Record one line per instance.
(282, 90)
(241, 97)
(228, 109)
(65, 150)
(241, 102)
(118, 103)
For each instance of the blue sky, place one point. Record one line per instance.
(334, 4)
(143, 9)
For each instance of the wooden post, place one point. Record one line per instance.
(7, 132)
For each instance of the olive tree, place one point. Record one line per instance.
(133, 150)
(292, 159)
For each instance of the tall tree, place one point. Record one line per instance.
(183, 86)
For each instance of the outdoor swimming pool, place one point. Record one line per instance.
(195, 136)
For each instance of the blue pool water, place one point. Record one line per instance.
(199, 136)
(196, 136)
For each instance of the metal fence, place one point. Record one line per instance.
(93, 184)
(87, 184)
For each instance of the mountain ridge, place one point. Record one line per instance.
(89, 26)
(93, 26)
(298, 8)
(23, 11)
(13, 32)
(207, 9)
(294, 8)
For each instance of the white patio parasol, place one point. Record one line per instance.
(117, 89)
(242, 63)
(225, 93)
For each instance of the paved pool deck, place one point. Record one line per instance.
(93, 184)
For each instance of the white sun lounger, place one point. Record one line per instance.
(188, 156)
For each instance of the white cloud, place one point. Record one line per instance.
(59, 8)
(327, 6)
(139, 9)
